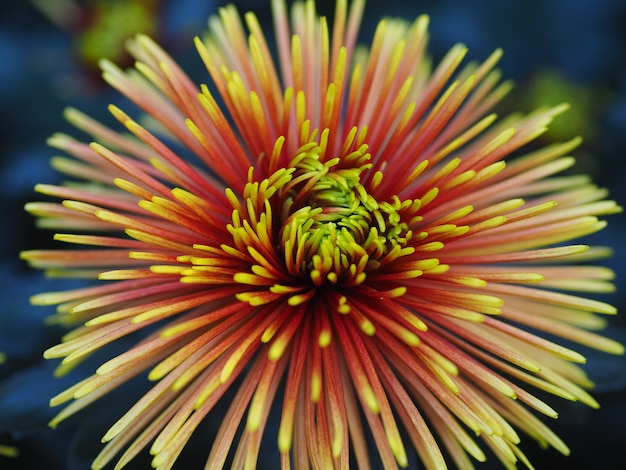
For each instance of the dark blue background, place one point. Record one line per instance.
(578, 44)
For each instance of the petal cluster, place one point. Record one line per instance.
(347, 238)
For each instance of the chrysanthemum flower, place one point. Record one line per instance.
(340, 235)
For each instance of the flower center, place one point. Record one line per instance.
(313, 223)
(334, 227)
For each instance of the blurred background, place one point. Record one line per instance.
(555, 51)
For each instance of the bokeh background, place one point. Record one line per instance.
(555, 51)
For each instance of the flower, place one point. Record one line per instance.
(334, 239)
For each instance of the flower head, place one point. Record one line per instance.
(337, 239)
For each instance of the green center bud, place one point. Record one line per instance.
(333, 227)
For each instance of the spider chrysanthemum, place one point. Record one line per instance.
(339, 236)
